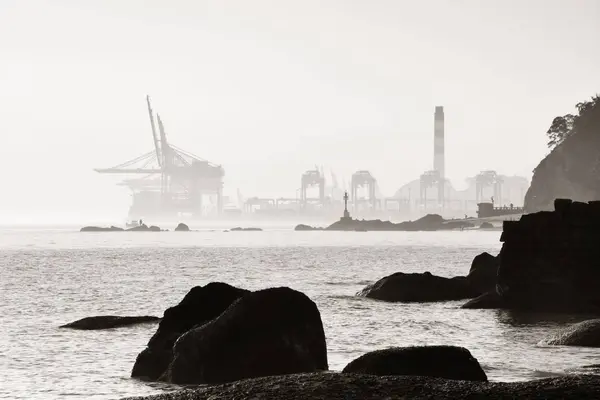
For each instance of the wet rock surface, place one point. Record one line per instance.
(448, 362)
(274, 331)
(419, 287)
(108, 322)
(239, 229)
(489, 300)
(586, 333)
(345, 386)
(200, 305)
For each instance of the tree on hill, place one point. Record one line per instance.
(586, 121)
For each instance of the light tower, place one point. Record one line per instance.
(438, 150)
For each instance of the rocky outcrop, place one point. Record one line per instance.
(182, 228)
(336, 386)
(449, 362)
(430, 222)
(549, 260)
(238, 229)
(200, 305)
(486, 225)
(101, 229)
(416, 287)
(144, 228)
(302, 227)
(274, 331)
(483, 272)
(586, 333)
(108, 322)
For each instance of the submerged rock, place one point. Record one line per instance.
(274, 331)
(338, 386)
(200, 305)
(586, 333)
(489, 300)
(108, 322)
(182, 228)
(238, 229)
(101, 229)
(416, 287)
(449, 362)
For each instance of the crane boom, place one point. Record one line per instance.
(154, 135)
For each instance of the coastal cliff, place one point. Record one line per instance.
(571, 170)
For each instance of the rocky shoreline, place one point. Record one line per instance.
(340, 386)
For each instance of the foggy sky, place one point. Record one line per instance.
(268, 89)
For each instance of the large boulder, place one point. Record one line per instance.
(483, 272)
(108, 322)
(269, 332)
(549, 260)
(450, 362)
(419, 287)
(200, 305)
(336, 386)
(586, 333)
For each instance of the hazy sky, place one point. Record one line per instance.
(268, 89)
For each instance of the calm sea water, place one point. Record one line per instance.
(51, 277)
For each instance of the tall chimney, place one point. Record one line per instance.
(438, 141)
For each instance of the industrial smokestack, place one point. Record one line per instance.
(438, 142)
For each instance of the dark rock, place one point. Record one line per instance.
(100, 229)
(449, 362)
(200, 305)
(549, 260)
(483, 272)
(303, 227)
(336, 386)
(586, 333)
(489, 300)
(415, 287)
(108, 322)
(274, 331)
(182, 228)
(238, 229)
(486, 225)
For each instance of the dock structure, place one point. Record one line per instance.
(173, 182)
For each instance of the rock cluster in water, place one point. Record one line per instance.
(140, 228)
(430, 222)
(425, 287)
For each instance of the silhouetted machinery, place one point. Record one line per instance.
(362, 179)
(431, 179)
(175, 182)
(310, 179)
(486, 179)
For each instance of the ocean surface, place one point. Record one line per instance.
(49, 277)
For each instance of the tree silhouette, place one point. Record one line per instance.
(587, 121)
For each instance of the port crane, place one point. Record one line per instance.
(174, 181)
